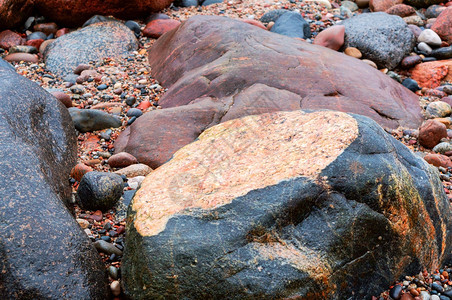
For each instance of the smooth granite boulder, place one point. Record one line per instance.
(384, 39)
(43, 251)
(286, 205)
(217, 69)
(91, 43)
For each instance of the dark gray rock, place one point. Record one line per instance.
(353, 220)
(209, 2)
(186, 3)
(134, 26)
(91, 43)
(107, 247)
(43, 251)
(411, 84)
(134, 112)
(382, 38)
(36, 36)
(91, 119)
(272, 15)
(442, 53)
(433, 11)
(97, 19)
(99, 190)
(293, 25)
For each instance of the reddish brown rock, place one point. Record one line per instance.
(224, 76)
(438, 160)
(431, 132)
(410, 61)
(73, 13)
(122, 160)
(255, 23)
(35, 43)
(14, 12)
(443, 25)
(401, 10)
(79, 170)
(332, 37)
(61, 32)
(157, 28)
(431, 74)
(47, 28)
(26, 57)
(9, 38)
(64, 98)
(383, 5)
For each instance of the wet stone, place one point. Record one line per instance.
(396, 292)
(106, 247)
(99, 190)
(439, 109)
(442, 148)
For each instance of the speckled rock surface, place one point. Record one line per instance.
(43, 251)
(263, 207)
(73, 13)
(382, 38)
(14, 12)
(99, 190)
(227, 69)
(105, 39)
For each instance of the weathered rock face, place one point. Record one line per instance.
(227, 69)
(283, 205)
(73, 13)
(94, 42)
(43, 252)
(382, 38)
(443, 25)
(14, 12)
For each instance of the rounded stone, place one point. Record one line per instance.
(17, 57)
(429, 37)
(410, 61)
(99, 190)
(353, 52)
(438, 109)
(442, 148)
(157, 28)
(121, 160)
(63, 98)
(431, 132)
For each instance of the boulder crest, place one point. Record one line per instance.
(287, 204)
(216, 68)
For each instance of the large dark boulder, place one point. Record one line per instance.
(384, 39)
(91, 43)
(293, 205)
(74, 13)
(219, 67)
(14, 12)
(43, 251)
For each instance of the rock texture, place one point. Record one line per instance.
(225, 69)
(74, 13)
(43, 251)
(443, 25)
(92, 43)
(382, 38)
(14, 12)
(263, 207)
(432, 74)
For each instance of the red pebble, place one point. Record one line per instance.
(144, 105)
